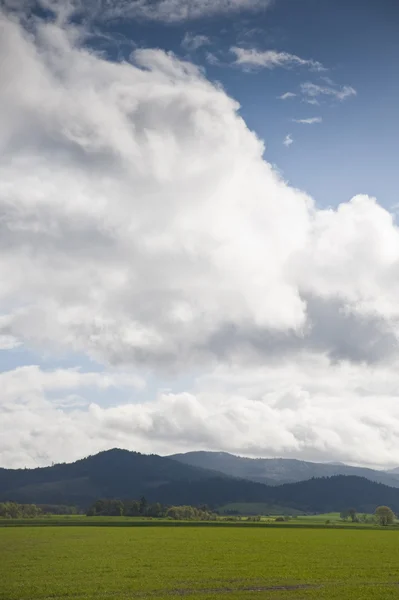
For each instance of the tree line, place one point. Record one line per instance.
(383, 516)
(141, 508)
(12, 510)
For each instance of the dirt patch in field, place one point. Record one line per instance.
(183, 592)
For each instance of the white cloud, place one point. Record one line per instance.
(140, 225)
(288, 141)
(153, 10)
(310, 121)
(340, 93)
(8, 342)
(286, 96)
(271, 59)
(182, 10)
(84, 133)
(32, 379)
(308, 408)
(192, 42)
(44, 415)
(312, 101)
(43, 419)
(212, 59)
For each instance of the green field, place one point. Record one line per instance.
(330, 520)
(121, 563)
(256, 508)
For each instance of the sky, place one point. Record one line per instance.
(198, 229)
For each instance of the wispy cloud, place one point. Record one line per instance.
(159, 10)
(182, 10)
(311, 121)
(154, 10)
(212, 59)
(312, 101)
(288, 141)
(271, 59)
(286, 96)
(192, 42)
(312, 91)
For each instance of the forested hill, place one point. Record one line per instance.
(276, 471)
(122, 474)
(110, 474)
(326, 494)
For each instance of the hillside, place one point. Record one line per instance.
(275, 471)
(330, 494)
(123, 474)
(393, 471)
(114, 473)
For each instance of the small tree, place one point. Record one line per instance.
(155, 510)
(143, 506)
(353, 514)
(384, 515)
(115, 508)
(132, 508)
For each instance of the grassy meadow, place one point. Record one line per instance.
(269, 520)
(121, 563)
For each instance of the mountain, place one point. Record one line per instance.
(331, 494)
(393, 471)
(326, 494)
(128, 475)
(110, 474)
(274, 471)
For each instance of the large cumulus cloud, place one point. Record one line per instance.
(140, 225)
(138, 216)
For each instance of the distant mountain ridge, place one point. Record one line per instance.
(114, 473)
(130, 475)
(322, 495)
(277, 471)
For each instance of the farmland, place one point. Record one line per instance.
(88, 563)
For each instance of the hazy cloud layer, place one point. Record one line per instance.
(308, 408)
(141, 226)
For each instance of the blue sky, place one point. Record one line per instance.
(191, 253)
(354, 150)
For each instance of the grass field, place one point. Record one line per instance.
(121, 563)
(316, 521)
(319, 520)
(257, 508)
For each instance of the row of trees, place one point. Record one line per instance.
(189, 513)
(59, 509)
(12, 510)
(141, 508)
(383, 516)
